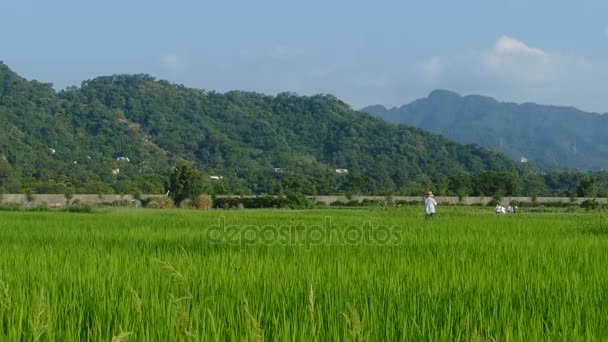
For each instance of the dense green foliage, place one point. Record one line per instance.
(158, 276)
(124, 134)
(549, 136)
(187, 183)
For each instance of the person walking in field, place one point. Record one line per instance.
(429, 205)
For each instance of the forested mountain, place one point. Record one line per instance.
(551, 137)
(124, 133)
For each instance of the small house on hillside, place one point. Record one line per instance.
(341, 171)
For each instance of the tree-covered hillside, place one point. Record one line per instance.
(551, 137)
(124, 133)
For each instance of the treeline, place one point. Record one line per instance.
(127, 134)
(527, 182)
(186, 183)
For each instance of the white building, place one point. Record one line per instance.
(341, 171)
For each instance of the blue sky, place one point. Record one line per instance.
(380, 52)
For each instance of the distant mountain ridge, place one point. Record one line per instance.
(124, 133)
(552, 137)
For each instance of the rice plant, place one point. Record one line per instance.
(339, 274)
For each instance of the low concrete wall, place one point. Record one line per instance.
(456, 200)
(447, 199)
(58, 199)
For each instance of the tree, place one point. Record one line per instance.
(460, 185)
(187, 183)
(586, 187)
(534, 185)
(121, 134)
(497, 184)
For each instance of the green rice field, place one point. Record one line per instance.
(327, 274)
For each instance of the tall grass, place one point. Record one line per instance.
(153, 275)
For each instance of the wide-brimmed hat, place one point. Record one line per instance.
(430, 194)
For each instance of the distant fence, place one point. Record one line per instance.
(56, 199)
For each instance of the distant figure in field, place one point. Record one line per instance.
(509, 209)
(500, 209)
(429, 205)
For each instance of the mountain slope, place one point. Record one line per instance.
(551, 137)
(238, 135)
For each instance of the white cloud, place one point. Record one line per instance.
(509, 45)
(512, 70)
(513, 61)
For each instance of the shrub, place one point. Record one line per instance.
(117, 203)
(372, 203)
(153, 204)
(590, 204)
(161, 203)
(572, 208)
(68, 194)
(10, 207)
(493, 202)
(516, 203)
(296, 200)
(145, 201)
(166, 203)
(338, 203)
(204, 202)
(403, 202)
(389, 201)
(82, 208)
(186, 204)
(41, 207)
(29, 195)
(250, 202)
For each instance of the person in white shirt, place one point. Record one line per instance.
(500, 209)
(429, 205)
